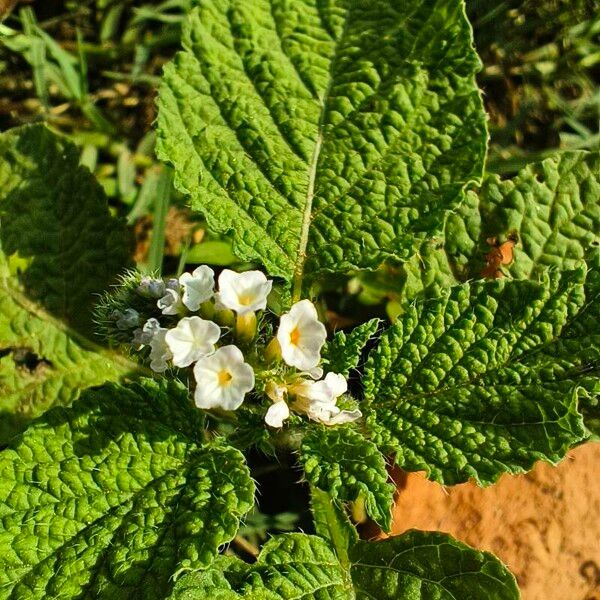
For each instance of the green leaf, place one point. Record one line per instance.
(323, 136)
(56, 219)
(575, 356)
(551, 207)
(332, 523)
(428, 566)
(44, 363)
(290, 566)
(110, 498)
(340, 461)
(342, 353)
(415, 566)
(452, 387)
(60, 248)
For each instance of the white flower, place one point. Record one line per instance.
(277, 414)
(223, 379)
(128, 319)
(301, 336)
(151, 288)
(159, 351)
(198, 287)
(244, 292)
(318, 400)
(144, 335)
(192, 339)
(279, 411)
(170, 303)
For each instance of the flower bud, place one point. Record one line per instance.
(151, 288)
(245, 327)
(273, 351)
(129, 319)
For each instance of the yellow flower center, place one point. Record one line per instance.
(224, 377)
(295, 336)
(245, 299)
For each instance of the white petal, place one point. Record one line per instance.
(218, 304)
(314, 391)
(244, 292)
(192, 339)
(277, 414)
(345, 416)
(336, 383)
(146, 333)
(316, 373)
(198, 287)
(159, 351)
(276, 391)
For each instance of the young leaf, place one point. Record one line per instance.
(324, 136)
(423, 565)
(342, 353)
(414, 566)
(340, 461)
(60, 248)
(451, 387)
(112, 497)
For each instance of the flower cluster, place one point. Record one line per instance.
(195, 325)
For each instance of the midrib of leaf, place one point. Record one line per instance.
(312, 176)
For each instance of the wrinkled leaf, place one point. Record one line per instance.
(113, 496)
(324, 136)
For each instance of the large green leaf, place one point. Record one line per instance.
(340, 461)
(43, 362)
(453, 386)
(428, 566)
(415, 566)
(60, 248)
(552, 208)
(110, 498)
(324, 135)
(56, 219)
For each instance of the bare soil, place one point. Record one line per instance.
(544, 525)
